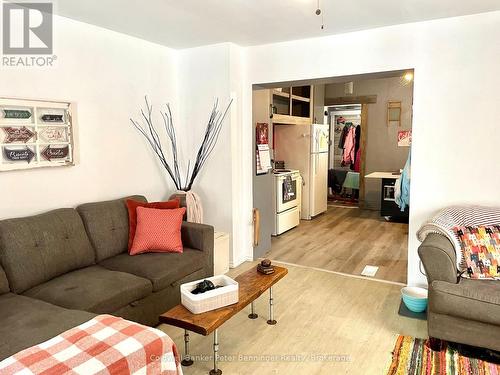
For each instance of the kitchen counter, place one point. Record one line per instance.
(383, 175)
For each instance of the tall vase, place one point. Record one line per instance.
(192, 202)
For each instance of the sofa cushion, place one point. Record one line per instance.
(4, 283)
(26, 322)
(132, 206)
(38, 248)
(107, 225)
(158, 231)
(162, 269)
(477, 300)
(95, 289)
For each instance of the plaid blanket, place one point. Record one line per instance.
(103, 345)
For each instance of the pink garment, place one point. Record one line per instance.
(357, 163)
(349, 144)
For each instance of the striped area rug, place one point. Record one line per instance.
(412, 356)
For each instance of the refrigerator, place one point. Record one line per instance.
(318, 172)
(306, 148)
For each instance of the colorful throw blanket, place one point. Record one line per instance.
(459, 216)
(103, 345)
(480, 251)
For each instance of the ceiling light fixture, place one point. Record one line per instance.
(406, 79)
(408, 76)
(320, 13)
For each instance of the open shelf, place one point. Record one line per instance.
(303, 91)
(281, 105)
(282, 94)
(292, 105)
(301, 98)
(290, 120)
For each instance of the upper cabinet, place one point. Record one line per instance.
(292, 105)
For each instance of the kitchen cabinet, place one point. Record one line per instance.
(292, 105)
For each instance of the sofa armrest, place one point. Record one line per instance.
(200, 237)
(439, 259)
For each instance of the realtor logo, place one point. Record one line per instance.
(27, 28)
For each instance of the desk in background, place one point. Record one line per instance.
(388, 206)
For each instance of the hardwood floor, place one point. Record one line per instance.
(327, 324)
(346, 240)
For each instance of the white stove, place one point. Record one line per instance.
(287, 189)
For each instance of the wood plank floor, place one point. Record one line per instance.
(346, 240)
(336, 324)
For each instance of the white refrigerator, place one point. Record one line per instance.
(305, 147)
(318, 172)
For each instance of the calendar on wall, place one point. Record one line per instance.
(35, 134)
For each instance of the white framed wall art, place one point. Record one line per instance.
(35, 134)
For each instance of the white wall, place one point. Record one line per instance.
(455, 151)
(205, 74)
(106, 74)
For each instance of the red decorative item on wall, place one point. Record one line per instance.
(262, 134)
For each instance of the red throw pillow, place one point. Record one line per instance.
(158, 231)
(132, 213)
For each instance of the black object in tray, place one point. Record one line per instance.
(205, 286)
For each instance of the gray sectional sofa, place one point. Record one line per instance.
(61, 268)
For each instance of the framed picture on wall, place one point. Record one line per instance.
(394, 113)
(404, 138)
(262, 156)
(35, 134)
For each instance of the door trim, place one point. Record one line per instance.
(362, 162)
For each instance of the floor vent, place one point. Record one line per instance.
(369, 271)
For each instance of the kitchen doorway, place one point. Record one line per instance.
(363, 229)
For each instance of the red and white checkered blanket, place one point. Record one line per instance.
(103, 345)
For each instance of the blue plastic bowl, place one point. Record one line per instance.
(415, 298)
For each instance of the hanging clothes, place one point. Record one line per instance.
(349, 145)
(336, 178)
(357, 162)
(343, 135)
(358, 138)
(402, 190)
(356, 148)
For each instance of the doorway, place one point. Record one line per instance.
(344, 163)
(355, 230)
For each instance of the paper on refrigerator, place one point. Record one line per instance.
(264, 157)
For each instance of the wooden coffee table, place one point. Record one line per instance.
(252, 284)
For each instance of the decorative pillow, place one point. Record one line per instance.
(480, 251)
(158, 231)
(132, 213)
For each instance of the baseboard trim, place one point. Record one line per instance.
(239, 262)
(339, 273)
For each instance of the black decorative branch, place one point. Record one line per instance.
(212, 132)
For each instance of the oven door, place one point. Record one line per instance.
(287, 196)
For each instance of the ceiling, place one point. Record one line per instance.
(190, 23)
